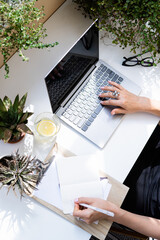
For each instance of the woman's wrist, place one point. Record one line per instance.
(143, 104)
(118, 212)
(149, 105)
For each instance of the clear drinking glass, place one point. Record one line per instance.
(47, 126)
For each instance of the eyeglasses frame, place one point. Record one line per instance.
(138, 62)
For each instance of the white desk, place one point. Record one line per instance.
(26, 219)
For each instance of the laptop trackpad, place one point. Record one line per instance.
(103, 127)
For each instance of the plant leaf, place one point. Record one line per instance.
(15, 104)
(13, 126)
(23, 128)
(2, 132)
(7, 135)
(19, 116)
(16, 135)
(25, 116)
(3, 124)
(7, 102)
(2, 106)
(22, 103)
(11, 116)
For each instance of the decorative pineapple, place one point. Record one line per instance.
(13, 120)
(23, 172)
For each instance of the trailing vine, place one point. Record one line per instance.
(20, 28)
(134, 23)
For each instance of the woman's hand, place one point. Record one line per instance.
(142, 224)
(125, 102)
(89, 215)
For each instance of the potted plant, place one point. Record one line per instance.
(132, 23)
(21, 172)
(13, 119)
(20, 28)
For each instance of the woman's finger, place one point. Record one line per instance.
(77, 212)
(108, 95)
(110, 102)
(117, 85)
(109, 88)
(118, 111)
(84, 200)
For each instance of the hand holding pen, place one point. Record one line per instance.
(93, 209)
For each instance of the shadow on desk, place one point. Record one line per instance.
(14, 211)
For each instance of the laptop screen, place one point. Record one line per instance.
(70, 70)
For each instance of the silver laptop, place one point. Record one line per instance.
(74, 86)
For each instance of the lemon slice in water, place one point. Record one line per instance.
(46, 128)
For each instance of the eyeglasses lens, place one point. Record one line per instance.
(147, 62)
(132, 62)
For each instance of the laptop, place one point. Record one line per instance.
(74, 86)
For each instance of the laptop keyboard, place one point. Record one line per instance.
(85, 107)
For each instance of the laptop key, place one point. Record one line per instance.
(115, 77)
(83, 110)
(118, 82)
(88, 123)
(109, 71)
(111, 74)
(80, 114)
(84, 127)
(66, 115)
(72, 118)
(104, 68)
(103, 77)
(120, 79)
(91, 107)
(94, 115)
(98, 84)
(98, 109)
(76, 120)
(81, 122)
(102, 65)
(72, 107)
(91, 119)
(86, 116)
(69, 111)
(75, 113)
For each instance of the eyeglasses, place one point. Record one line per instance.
(133, 61)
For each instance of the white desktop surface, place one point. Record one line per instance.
(27, 219)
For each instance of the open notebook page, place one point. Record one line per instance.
(49, 187)
(78, 177)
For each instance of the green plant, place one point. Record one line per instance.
(12, 119)
(21, 171)
(20, 28)
(134, 23)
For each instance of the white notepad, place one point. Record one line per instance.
(78, 177)
(49, 187)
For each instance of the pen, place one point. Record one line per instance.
(111, 214)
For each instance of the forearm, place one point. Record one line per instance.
(144, 225)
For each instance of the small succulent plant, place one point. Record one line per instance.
(22, 172)
(12, 119)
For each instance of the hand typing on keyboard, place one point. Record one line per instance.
(125, 101)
